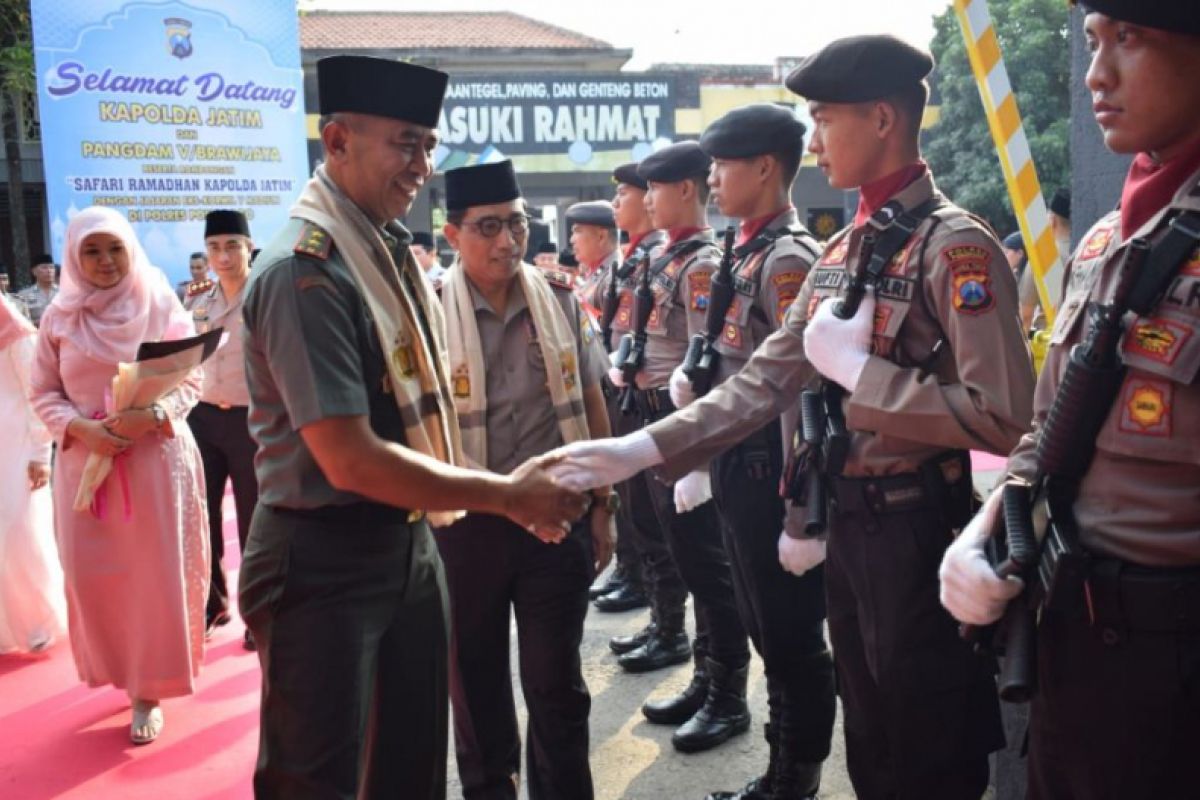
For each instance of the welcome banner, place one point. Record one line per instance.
(166, 111)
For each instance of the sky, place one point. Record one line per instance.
(699, 32)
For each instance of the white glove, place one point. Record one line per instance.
(798, 556)
(601, 462)
(617, 377)
(971, 591)
(839, 348)
(680, 388)
(692, 491)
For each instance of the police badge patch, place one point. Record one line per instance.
(179, 37)
(970, 279)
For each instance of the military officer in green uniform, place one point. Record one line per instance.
(359, 450)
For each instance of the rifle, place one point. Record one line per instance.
(700, 363)
(1090, 385)
(631, 356)
(612, 302)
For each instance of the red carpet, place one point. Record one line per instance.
(60, 739)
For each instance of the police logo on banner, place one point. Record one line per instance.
(179, 37)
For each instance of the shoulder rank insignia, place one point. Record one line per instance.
(313, 241)
(558, 278)
(198, 287)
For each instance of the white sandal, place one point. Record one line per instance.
(147, 722)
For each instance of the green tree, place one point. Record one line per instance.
(16, 83)
(1034, 40)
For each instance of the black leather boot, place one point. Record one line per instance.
(796, 780)
(683, 706)
(762, 787)
(625, 644)
(723, 715)
(624, 598)
(663, 649)
(616, 580)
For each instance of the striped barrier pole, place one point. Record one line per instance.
(1012, 146)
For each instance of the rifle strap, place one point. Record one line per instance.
(678, 250)
(1180, 241)
(893, 227)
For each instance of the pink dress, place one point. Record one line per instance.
(137, 577)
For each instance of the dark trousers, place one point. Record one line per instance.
(228, 453)
(629, 561)
(783, 614)
(695, 545)
(492, 565)
(919, 707)
(1117, 712)
(351, 619)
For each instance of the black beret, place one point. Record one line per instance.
(381, 87)
(44, 258)
(1061, 202)
(423, 239)
(1167, 15)
(1014, 241)
(593, 212)
(752, 131)
(628, 173)
(547, 247)
(481, 185)
(859, 69)
(674, 163)
(566, 258)
(223, 221)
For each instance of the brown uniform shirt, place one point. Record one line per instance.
(680, 305)
(949, 282)
(649, 248)
(1140, 499)
(590, 291)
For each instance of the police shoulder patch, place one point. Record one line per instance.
(313, 241)
(970, 278)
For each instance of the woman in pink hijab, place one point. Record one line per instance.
(136, 562)
(32, 610)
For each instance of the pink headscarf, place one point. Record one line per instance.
(109, 324)
(13, 324)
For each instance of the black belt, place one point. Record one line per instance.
(1124, 596)
(364, 513)
(652, 402)
(926, 488)
(222, 406)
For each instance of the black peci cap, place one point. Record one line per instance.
(224, 221)
(481, 185)
(674, 163)
(566, 258)
(628, 174)
(44, 258)
(547, 247)
(423, 239)
(1061, 202)
(381, 87)
(859, 69)
(1173, 16)
(754, 130)
(592, 212)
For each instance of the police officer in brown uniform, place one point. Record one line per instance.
(713, 707)
(594, 240)
(526, 367)
(351, 407)
(1117, 706)
(756, 152)
(219, 420)
(932, 366)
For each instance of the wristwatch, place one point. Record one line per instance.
(611, 502)
(160, 416)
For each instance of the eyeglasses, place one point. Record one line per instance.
(489, 227)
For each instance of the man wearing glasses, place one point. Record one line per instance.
(219, 420)
(525, 366)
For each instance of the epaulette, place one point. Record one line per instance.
(313, 241)
(557, 277)
(198, 287)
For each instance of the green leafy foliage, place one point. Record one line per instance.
(1034, 40)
